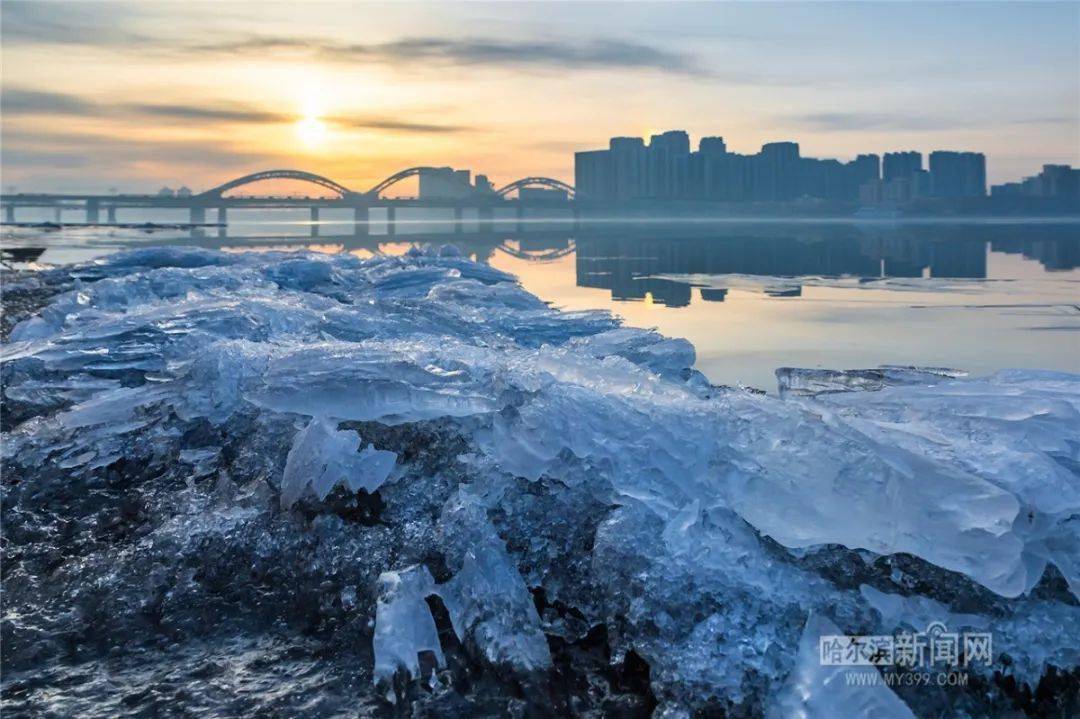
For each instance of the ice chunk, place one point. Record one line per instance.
(667, 357)
(799, 382)
(490, 608)
(390, 381)
(323, 457)
(488, 602)
(915, 612)
(403, 623)
(815, 690)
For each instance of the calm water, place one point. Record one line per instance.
(751, 296)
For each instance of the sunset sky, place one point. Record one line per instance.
(133, 96)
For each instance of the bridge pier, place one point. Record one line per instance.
(459, 212)
(391, 220)
(519, 214)
(110, 215)
(9, 213)
(197, 216)
(360, 221)
(222, 215)
(314, 221)
(93, 209)
(486, 219)
(58, 214)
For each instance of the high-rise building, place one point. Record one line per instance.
(1054, 181)
(665, 168)
(957, 174)
(822, 179)
(901, 165)
(903, 178)
(707, 168)
(872, 192)
(593, 176)
(446, 183)
(775, 173)
(712, 146)
(861, 170)
(442, 183)
(920, 184)
(1058, 181)
(629, 166)
(668, 163)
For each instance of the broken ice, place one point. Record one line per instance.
(544, 474)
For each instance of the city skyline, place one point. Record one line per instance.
(889, 167)
(99, 95)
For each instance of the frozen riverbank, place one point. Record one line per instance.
(412, 465)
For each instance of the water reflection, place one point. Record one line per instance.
(752, 297)
(628, 266)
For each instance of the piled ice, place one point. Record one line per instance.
(323, 457)
(989, 464)
(545, 475)
(816, 690)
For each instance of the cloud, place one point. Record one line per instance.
(223, 113)
(73, 149)
(69, 23)
(388, 123)
(108, 25)
(596, 53)
(22, 101)
(855, 121)
(872, 121)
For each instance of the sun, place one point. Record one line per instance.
(311, 130)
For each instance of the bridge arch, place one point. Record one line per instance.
(539, 257)
(396, 178)
(314, 179)
(547, 182)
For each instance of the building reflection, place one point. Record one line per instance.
(654, 261)
(631, 264)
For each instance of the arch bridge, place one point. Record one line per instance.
(549, 255)
(397, 177)
(215, 197)
(254, 177)
(376, 191)
(546, 182)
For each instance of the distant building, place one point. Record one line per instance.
(446, 183)
(901, 165)
(957, 174)
(664, 168)
(861, 170)
(593, 176)
(775, 174)
(1060, 181)
(872, 192)
(920, 184)
(629, 168)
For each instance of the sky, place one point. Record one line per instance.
(134, 96)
